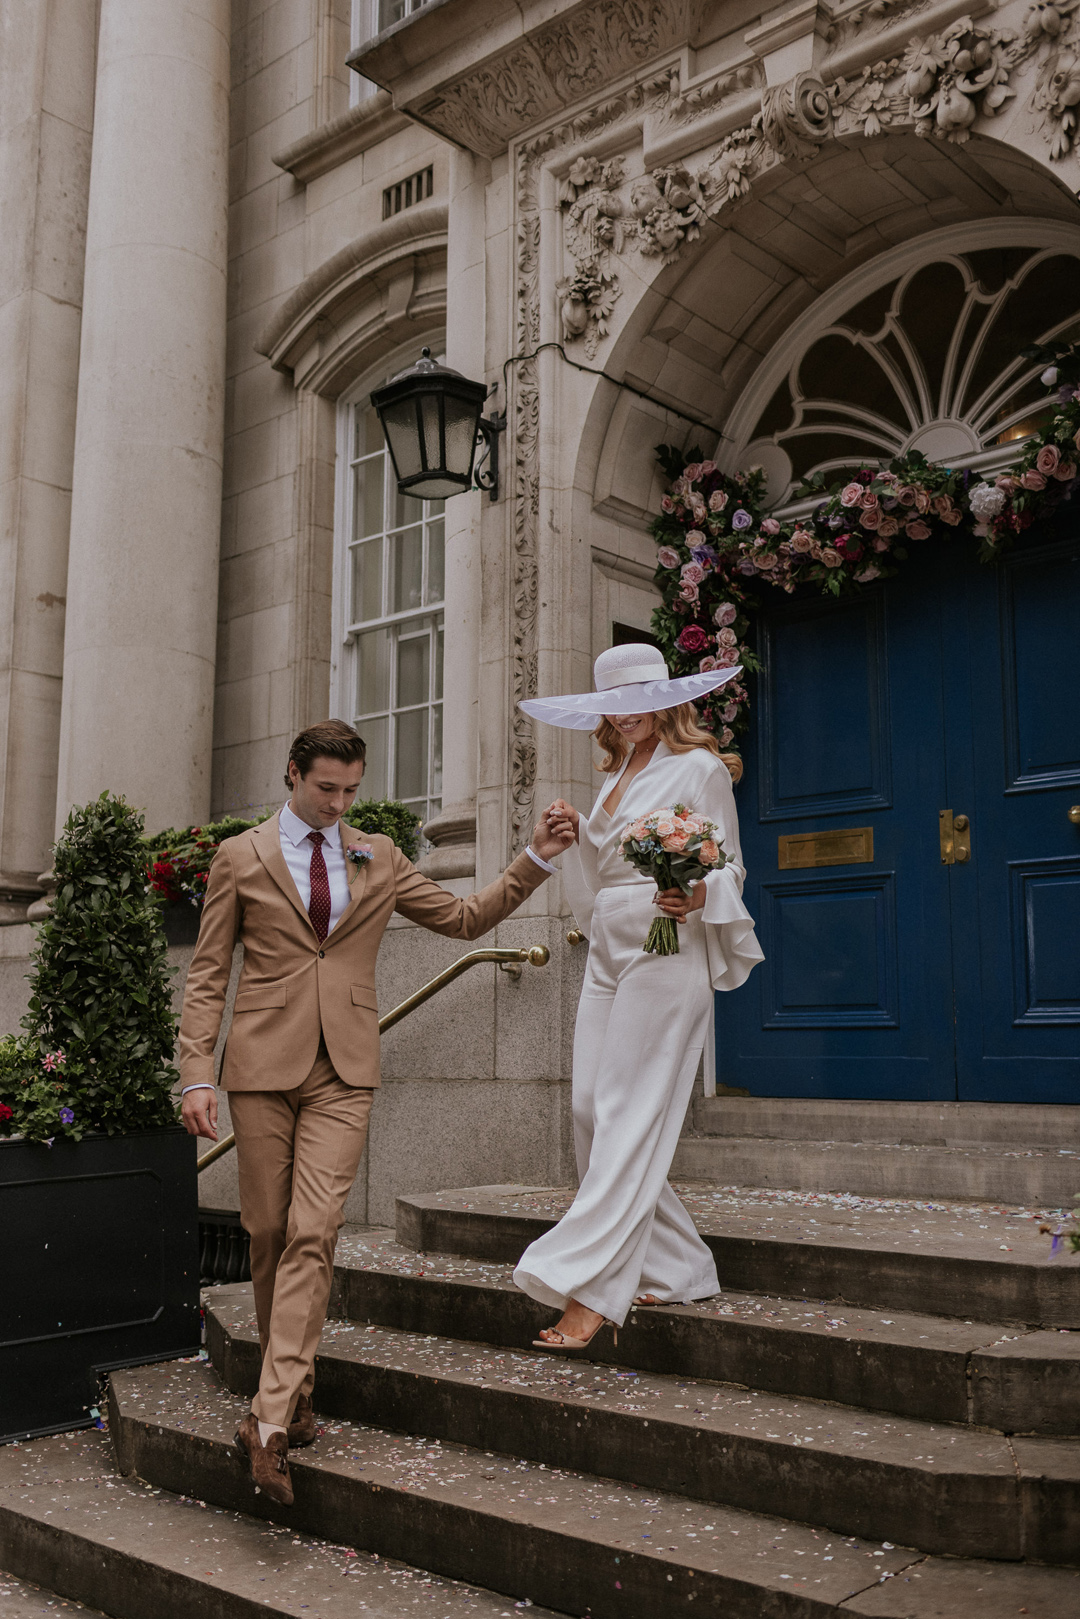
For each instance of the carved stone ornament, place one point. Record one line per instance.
(797, 116)
(670, 208)
(1053, 27)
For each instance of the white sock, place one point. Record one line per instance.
(266, 1429)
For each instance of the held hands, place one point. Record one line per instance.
(555, 831)
(198, 1110)
(673, 902)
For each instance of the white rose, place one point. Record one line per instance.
(1049, 376)
(986, 501)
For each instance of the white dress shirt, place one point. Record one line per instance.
(297, 850)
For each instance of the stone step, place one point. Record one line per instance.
(931, 1124)
(978, 1262)
(1041, 1175)
(1018, 1380)
(579, 1543)
(21, 1599)
(68, 1517)
(943, 1488)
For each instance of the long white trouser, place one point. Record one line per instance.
(641, 1025)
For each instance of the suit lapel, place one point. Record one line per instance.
(358, 877)
(267, 840)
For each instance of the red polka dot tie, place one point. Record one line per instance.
(319, 906)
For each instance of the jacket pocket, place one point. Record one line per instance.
(363, 996)
(260, 1000)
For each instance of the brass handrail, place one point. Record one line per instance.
(536, 955)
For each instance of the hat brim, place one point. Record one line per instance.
(583, 710)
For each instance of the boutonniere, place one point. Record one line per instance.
(358, 855)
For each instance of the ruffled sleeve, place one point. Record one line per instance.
(729, 928)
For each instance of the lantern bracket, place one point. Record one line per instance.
(488, 428)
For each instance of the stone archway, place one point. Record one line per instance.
(714, 321)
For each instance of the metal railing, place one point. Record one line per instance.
(511, 961)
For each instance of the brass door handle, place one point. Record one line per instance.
(1074, 814)
(954, 837)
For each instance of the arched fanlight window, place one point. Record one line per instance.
(929, 360)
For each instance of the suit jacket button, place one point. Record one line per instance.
(321, 954)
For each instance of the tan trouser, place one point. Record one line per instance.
(297, 1154)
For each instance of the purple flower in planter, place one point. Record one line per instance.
(67, 1115)
(741, 519)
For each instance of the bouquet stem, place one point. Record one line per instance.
(663, 939)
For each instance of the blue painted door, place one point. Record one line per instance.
(900, 977)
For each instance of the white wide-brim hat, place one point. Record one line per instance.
(631, 679)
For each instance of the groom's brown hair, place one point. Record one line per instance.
(330, 739)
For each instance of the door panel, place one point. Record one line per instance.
(1017, 904)
(849, 734)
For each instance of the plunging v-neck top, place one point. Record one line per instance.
(702, 782)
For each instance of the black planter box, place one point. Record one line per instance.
(100, 1269)
(180, 919)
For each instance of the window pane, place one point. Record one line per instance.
(413, 660)
(367, 581)
(368, 438)
(372, 671)
(408, 560)
(369, 497)
(435, 785)
(410, 755)
(404, 509)
(436, 581)
(374, 733)
(437, 693)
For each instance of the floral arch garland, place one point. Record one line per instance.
(714, 536)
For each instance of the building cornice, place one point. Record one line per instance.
(334, 143)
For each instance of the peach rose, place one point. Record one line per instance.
(922, 500)
(727, 658)
(709, 853)
(675, 842)
(916, 529)
(801, 541)
(1006, 482)
(868, 500)
(871, 518)
(717, 500)
(887, 528)
(665, 826)
(1065, 470)
(706, 665)
(943, 506)
(726, 613)
(952, 516)
(1032, 479)
(831, 558)
(905, 494)
(707, 467)
(1047, 459)
(688, 592)
(727, 637)
(851, 494)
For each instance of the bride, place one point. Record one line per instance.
(642, 1019)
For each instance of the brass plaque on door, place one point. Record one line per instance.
(845, 846)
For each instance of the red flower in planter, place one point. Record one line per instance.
(5, 1113)
(693, 639)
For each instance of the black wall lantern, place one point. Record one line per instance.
(431, 419)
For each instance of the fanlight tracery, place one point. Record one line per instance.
(929, 361)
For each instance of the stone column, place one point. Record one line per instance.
(454, 830)
(139, 646)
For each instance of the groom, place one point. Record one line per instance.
(309, 899)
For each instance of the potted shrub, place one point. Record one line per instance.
(98, 1194)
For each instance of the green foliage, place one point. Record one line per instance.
(97, 1055)
(396, 821)
(177, 861)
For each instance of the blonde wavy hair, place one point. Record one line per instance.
(679, 728)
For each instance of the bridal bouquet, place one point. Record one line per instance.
(676, 848)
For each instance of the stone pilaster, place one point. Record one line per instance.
(143, 567)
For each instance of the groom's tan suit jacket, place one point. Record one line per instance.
(293, 989)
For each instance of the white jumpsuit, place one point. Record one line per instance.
(641, 1025)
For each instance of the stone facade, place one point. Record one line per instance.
(632, 204)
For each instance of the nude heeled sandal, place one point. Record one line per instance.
(574, 1346)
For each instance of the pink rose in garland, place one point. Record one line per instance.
(667, 556)
(725, 614)
(693, 640)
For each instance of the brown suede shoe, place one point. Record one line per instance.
(302, 1426)
(269, 1463)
